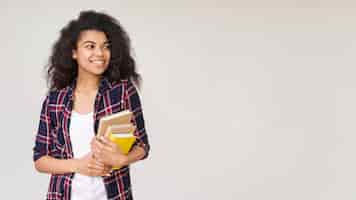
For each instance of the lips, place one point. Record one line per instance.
(97, 61)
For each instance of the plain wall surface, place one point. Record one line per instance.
(242, 100)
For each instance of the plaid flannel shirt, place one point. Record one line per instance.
(53, 136)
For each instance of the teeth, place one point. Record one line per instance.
(97, 61)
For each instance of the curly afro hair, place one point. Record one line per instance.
(62, 69)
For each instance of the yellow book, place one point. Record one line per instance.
(122, 135)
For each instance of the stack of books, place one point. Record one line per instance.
(119, 129)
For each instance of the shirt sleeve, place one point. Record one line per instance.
(134, 105)
(43, 140)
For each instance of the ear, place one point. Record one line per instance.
(74, 54)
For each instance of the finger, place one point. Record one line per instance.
(93, 140)
(106, 174)
(107, 170)
(101, 138)
(92, 145)
(96, 168)
(98, 149)
(97, 144)
(105, 148)
(99, 157)
(98, 171)
(111, 143)
(106, 141)
(100, 163)
(108, 149)
(110, 146)
(96, 162)
(96, 152)
(95, 156)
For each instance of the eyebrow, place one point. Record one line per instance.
(92, 42)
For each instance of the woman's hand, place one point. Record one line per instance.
(108, 152)
(89, 166)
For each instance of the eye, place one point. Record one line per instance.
(90, 46)
(106, 46)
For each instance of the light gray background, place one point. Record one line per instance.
(243, 100)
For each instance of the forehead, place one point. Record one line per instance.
(92, 35)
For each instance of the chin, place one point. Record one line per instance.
(99, 73)
(99, 70)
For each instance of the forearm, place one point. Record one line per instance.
(110, 154)
(50, 165)
(136, 154)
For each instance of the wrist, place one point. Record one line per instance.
(74, 165)
(121, 160)
(126, 160)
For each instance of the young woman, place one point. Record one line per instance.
(91, 74)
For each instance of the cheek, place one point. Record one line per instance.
(108, 54)
(83, 57)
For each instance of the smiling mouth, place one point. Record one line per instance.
(97, 61)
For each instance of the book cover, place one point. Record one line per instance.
(123, 117)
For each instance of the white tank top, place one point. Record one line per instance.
(81, 133)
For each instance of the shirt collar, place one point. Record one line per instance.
(104, 85)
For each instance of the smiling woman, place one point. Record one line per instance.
(91, 73)
(92, 53)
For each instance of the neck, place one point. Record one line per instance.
(87, 83)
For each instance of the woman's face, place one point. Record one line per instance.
(92, 53)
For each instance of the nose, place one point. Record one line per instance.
(98, 51)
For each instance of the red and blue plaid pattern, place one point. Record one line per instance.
(53, 137)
